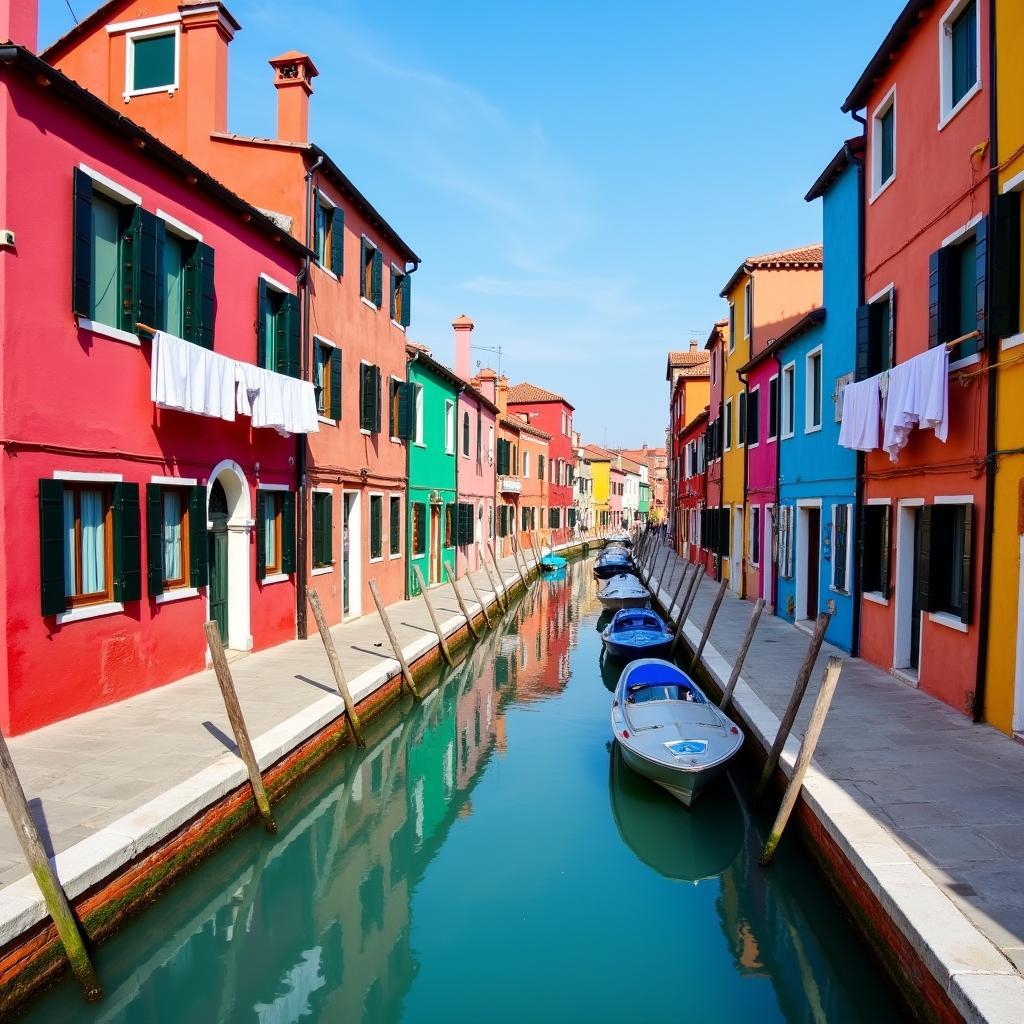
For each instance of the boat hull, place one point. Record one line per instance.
(617, 649)
(685, 786)
(606, 572)
(640, 601)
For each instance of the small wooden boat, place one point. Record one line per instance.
(668, 729)
(624, 591)
(612, 562)
(550, 562)
(621, 537)
(636, 633)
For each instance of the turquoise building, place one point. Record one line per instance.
(815, 529)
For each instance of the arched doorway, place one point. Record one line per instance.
(229, 519)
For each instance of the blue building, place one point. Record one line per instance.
(816, 358)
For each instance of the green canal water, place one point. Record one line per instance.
(489, 858)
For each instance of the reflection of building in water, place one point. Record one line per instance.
(538, 664)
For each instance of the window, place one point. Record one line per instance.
(275, 532)
(175, 537)
(773, 408)
(876, 335)
(372, 263)
(109, 221)
(944, 560)
(400, 414)
(401, 285)
(883, 144)
(741, 419)
(419, 529)
(957, 285)
(466, 534)
(728, 425)
(329, 234)
(788, 400)
(449, 427)
(152, 62)
(88, 535)
(376, 526)
(554, 518)
(419, 413)
(504, 457)
(732, 326)
(479, 437)
(184, 297)
(395, 522)
(327, 379)
(754, 541)
(841, 548)
(748, 312)
(958, 41)
(369, 398)
(465, 434)
(785, 542)
(278, 341)
(754, 417)
(526, 463)
(875, 567)
(322, 530)
(812, 396)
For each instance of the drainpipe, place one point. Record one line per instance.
(858, 493)
(992, 343)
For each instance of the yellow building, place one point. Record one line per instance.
(600, 466)
(1004, 680)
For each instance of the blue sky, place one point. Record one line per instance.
(581, 177)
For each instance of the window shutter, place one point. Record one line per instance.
(405, 406)
(863, 342)
(81, 265)
(924, 557)
(335, 412)
(129, 254)
(376, 508)
(363, 246)
(155, 539)
(395, 284)
(965, 565)
(327, 531)
(1005, 318)
(148, 266)
(205, 298)
(366, 379)
(406, 299)
(127, 540)
(396, 527)
(934, 298)
(378, 265)
(51, 547)
(318, 528)
(261, 535)
(981, 289)
(261, 326)
(338, 240)
(288, 344)
(376, 399)
(198, 555)
(883, 552)
(288, 531)
(892, 328)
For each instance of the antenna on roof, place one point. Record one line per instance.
(486, 348)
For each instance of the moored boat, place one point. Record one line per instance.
(636, 632)
(550, 562)
(611, 562)
(624, 591)
(668, 729)
(621, 537)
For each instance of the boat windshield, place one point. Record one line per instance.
(657, 691)
(637, 622)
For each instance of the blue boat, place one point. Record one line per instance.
(636, 633)
(611, 562)
(551, 562)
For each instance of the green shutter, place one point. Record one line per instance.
(147, 307)
(406, 299)
(376, 399)
(204, 295)
(396, 527)
(318, 530)
(366, 403)
(363, 246)
(261, 534)
(980, 289)
(127, 540)
(129, 220)
(395, 284)
(883, 553)
(51, 547)
(378, 265)
(154, 539)
(261, 326)
(288, 344)
(965, 565)
(335, 409)
(198, 554)
(338, 240)
(376, 530)
(288, 531)
(405, 407)
(924, 557)
(81, 257)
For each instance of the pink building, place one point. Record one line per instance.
(128, 524)
(616, 490)
(475, 464)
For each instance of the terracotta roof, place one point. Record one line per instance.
(803, 257)
(595, 451)
(692, 363)
(515, 423)
(526, 393)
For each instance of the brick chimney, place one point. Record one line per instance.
(293, 77)
(486, 382)
(207, 30)
(463, 327)
(693, 345)
(501, 399)
(19, 23)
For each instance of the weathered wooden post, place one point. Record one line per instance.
(691, 595)
(497, 569)
(681, 623)
(238, 727)
(664, 566)
(799, 689)
(479, 600)
(829, 682)
(339, 675)
(515, 558)
(56, 900)
(442, 642)
(395, 645)
(490, 580)
(462, 605)
(719, 597)
(679, 586)
(748, 637)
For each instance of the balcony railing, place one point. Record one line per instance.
(509, 485)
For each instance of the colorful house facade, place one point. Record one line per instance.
(600, 460)
(715, 529)
(692, 498)
(584, 488)
(925, 285)
(616, 492)
(689, 384)
(146, 512)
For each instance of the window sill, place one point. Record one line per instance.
(277, 577)
(89, 611)
(115, 333)
(812, 430)
(171, 88)
(374, 561)
(178, 594)
(881, 189)
(326, 270)
(401, 327)
(363, 430)
(327, 420)
(964, 100)
(876, 598)
(960, 364)
(321, 570)
(948, 620)
(366, 302)
(1013, 341)
(394, 556)
(839, 591)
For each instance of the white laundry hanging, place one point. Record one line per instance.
(861, 424)
(190, 378)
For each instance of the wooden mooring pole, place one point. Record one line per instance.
(238, 726)
(339, 675)
(479, 600)
(795, 700)
(691, 593)
(497, 569)
(679, 586)
(490, 580)
(664, 566)
(395, 645)
(442, 642)
(719, 597)
(462, 605)
(56, 900)
(748, 637)
(681, 623)
(515, 558)
(829, 682)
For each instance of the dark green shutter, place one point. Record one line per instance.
(287, 531)
(363, 247)
(883, 551)
(147, 271)
(154, 539)
(396, 527)
(51, 547)
(318, 530)
(327, 537)
(395, 285)
(261, 326)
(288, 337)
(338, 240)
(335, 410)
(863, 362)
(378, 269)
(365, 396)
(198, 555)
(924, 557)
(127, 541)
(200, 299)
(891, 340)
(81, 260)
(376, 399)
(261, 535)
(405, 408)
(965, 565)
(376, 527)
(406, 299)
(934, 298)
(981, 289)
(129, 220)
(1006, 242)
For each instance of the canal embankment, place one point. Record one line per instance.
(129, 797)
(914, 813)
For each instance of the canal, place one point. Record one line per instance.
(489, 858)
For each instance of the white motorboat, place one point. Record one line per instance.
(624, 591)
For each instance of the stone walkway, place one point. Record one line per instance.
(949, 791)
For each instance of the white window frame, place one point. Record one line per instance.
(948, 111)
(787, 410)
(748, 318)
(732, 326)
(751, 447)
(401, 524)
(960, 235)
(769, 436)
(384, 542)
(164, 29)
(362, 270)
(323, 199)
(323, 570)
(752, 533)
(395, 271)
(526, 463)
(727, 439)
(418, 440)
(449, 427)
(319, 339)
(846, 591)
(392, 378)
(876, 596)
(887, 103)
(809, 427)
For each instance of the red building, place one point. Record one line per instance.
(692, 497)
(552, 414)
(137, 506)
(926, 201)
(715, 533)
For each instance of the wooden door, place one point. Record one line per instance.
(435, 544)
(217, 540)
(813, 560)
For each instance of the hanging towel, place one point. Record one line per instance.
(933, 391)
(861, 423)
(277, 401)
(189, 378)
(918, 396)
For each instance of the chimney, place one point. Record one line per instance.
(693, 345)
(207, 30)
(19, 23)
(463, 360)
(486, 382)
(293, 76)
(502, 400)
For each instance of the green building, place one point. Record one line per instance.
(643, 509)
(431, 517)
